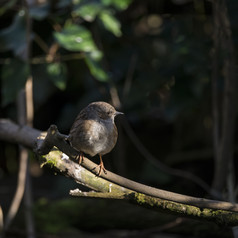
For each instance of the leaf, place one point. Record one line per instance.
(14, 37)
(88, 11)
(96, 55)
(57, 74)
(95, 69)
(76, 38)
(40, 12)
(120, 5)
(13, 77)
(110, 22)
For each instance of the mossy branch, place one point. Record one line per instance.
(108, 190)
(111, 185)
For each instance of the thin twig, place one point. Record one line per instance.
(22, 166)
(129, 76)
(20, 189)
(214, 84)
(152, 159)
(1, 221)
(29, 115)
(41, 43)
(142, 149)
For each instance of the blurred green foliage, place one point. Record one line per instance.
(153, 56)
(13, 77)
(73, 36)
(96, 41)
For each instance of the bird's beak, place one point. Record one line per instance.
(118, 113)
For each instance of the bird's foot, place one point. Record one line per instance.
(79, 157)
(101, 168)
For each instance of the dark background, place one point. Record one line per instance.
(156, 66)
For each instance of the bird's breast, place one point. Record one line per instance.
(94, 137)
(103, 137)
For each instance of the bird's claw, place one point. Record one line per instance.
(79, 157)
(101, 167)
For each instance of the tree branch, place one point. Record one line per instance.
(118, 187)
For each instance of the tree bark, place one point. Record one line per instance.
(224, 120)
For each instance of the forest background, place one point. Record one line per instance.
(170, 66)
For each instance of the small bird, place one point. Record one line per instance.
(94, 131)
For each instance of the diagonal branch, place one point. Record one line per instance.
(118, 187)
(108, 190)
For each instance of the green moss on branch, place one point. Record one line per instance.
(220, 217)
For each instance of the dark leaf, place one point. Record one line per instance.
(88, 11)
(57, 74)
(95, 69)
(110, 22)
(13, 77)
(14, 37)
(76, 38)
(40, 12)
(120, 5)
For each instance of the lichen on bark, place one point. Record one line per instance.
(217, 216)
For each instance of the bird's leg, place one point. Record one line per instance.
(79, 157)
(101, 165)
